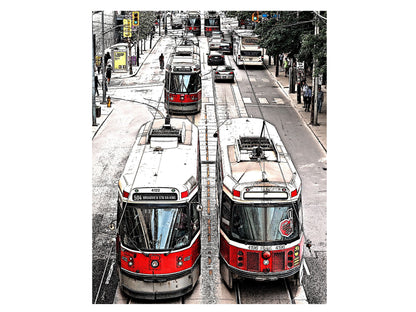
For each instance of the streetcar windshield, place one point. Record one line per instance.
(194, 21)
(212, 22)
(260, 223)
(184, 83)
(148, 228)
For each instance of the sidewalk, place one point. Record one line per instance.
(106, 111)
(319, 131)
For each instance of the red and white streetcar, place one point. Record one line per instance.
(260, 217)
(158, 215)
(183, 87)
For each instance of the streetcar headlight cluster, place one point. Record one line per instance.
(179, 261)
(240, 258)
(130, 261)
(154, 264)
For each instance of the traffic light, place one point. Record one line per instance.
(255, 17)
(135, 16)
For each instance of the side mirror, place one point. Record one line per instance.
(199, 207)
(215, 134)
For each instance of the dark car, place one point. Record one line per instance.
(224, 73)
(226, 47)
(215, 58)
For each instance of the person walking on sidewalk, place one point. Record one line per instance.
(161, 61)
(281, 59)
(304, 92)
(107, 56)
(97, 83)
(108, 73)
(308, 99)
(286, 65)
(320, 99)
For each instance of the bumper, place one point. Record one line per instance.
(216, 62)
(185, 108)
(234, 273)
(223, 77)
(149, 288)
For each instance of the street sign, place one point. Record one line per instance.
(264, 15)
(300, 65)
(126, 28)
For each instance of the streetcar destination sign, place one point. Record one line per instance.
(153, 196)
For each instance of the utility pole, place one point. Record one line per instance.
(103, 66)
(314, 111)
(94, 117)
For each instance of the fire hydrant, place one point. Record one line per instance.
(108, 101)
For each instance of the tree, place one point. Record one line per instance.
(314, 47)
(283, 35)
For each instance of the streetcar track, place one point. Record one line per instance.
(237, 293)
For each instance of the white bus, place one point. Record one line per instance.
(246, 48)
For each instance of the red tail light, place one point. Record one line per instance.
(294, 193)
(236, 193)
(222, 56)
(184, 194)
(231, 73)
(125, 194)
(216, 73)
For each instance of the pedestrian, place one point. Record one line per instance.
(308, 99)
(97, 83)
(286, 65)
(304, 92)
(161, 61)
(106, 57)
(108, 73)
(320, 99)
(281, 59)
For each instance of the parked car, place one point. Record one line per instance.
(225, 72)
(214, 44)
(215, 58)
(226, 47)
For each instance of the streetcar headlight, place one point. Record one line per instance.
(266, 262)
(180, 263)
(154, 264)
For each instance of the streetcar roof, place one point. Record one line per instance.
(159, 160)
(238, 139)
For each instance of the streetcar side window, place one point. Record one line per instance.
(225, 213)
(194, 219)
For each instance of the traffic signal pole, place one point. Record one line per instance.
(94, 117)
(103, 66)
